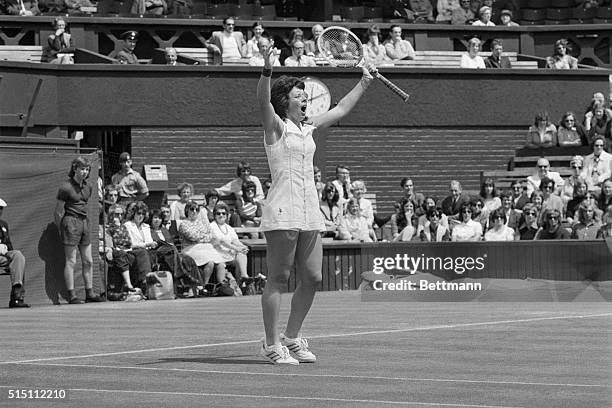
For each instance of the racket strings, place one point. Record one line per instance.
(341, 48)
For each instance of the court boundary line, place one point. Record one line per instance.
(323, 336)
(306, 375)
(279, 397)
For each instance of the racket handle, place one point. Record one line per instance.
(393, 87)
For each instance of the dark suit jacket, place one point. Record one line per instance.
(4, 235)
(449, 208)
(503, 62)
(520, 203)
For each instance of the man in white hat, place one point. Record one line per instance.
(14, 261)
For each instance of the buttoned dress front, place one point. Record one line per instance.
(292, 202)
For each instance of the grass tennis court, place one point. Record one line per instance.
(203, 353)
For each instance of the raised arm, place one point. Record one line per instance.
(269, 119)
(347, 103)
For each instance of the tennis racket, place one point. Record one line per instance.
(341, 48)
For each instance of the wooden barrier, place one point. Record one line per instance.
(452, 59)
(503, 179)
(26, 53)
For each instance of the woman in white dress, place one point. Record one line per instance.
(471, 59)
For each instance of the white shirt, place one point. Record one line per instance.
(469, 62)
(533, 181)
(304, 61)
(140, 237)
(230, 46)
(467, 231)
(505, 234)
(597, 170)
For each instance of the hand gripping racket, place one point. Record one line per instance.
(341, 48)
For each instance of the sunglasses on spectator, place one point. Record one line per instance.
(549, 187)
(530, 213)
(553, 217)
(245, 171)
(140, 213)
(599, 145)
(577, 167)
(434, 216)
(220, 213)
(466, 211)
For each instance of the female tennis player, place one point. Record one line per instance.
(291, 219)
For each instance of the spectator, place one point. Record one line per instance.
(404, 219)
(73, 7)
(397, 9)
(212, 198)
(571, 133)
(248, 209)
(298, 59)
(478, 213)
(428, 204)
(475, 6)
(466, 229)
(262, 46)
(20, 7)
(463, 14)
(542, 171)
(520, 197)
(243, 173)
(513, 217)
(312, 46)
(341, 48)
(505, 19)
(499, 230)
(606, 229)
(13, 260)
(286, 45)
(489, 196)
(197, 242)
(597, 165)
(542, 133)
(267, 184)
(417, 198)
(253, 43)
(318, 183)
(598, 123)
(177, 208)
(150, 7)
(433, 230)
(168, 223)
(445, 10)
(111, 196)
(374, 51)
(452, 204)
(126, 54)
(420, 11)
(171, 57)
(605, 198)
(354, 226)
(471, 59)
(568, 192)
(537, 199)
(343, 184)
(529, 223)
(496, 59)
(560, 58)
(551, 228)
(182, 8)
(131, 185)
(551, 201)
(71, 220)
(397, 48)
(226, 242)
(598, 99)
(484, 15)
(358, 189)
(587, 225)
(332, 211)
(140, 232)
(57, 42)
(227, 44)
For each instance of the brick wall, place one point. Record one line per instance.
(207, 157)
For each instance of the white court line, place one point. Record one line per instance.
(323, 336)
(243, 396)
(337, 376)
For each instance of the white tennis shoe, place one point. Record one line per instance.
(276, 354)
(299, 347)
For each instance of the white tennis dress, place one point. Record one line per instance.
(292, 202)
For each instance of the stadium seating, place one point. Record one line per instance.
(452, 59)
(24, 53)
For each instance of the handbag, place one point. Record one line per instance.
(160, 285)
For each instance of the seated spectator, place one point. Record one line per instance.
(197, 242)
(537, 199)
(606, 229)
(405, 218)
(126, 54)
(312, 47)
(212, 198)
(73, 7)
(397, 9)
(57, 42)
(171, 57)
(571, 133)
(598, 123)
(499, 231)
(598, 99)
(445, 10)
(169, 224)
(111, 196)
(478, 212)
(266, 184)
(342, 183)
(358, 189)
(420, 12)
(150, 7)
(397, 48)
(132, 187)
(551, 200)
(332, 212)
(605, 198)
(417, 198)
(463, 14)
(542, 171)
(257, 59)
(286, 45)
(297, 58)
(354, 226)
(587, 226)
(505, 19)
(374, 51)
(452, 204)
(243, 173)
(433, 230)
(597, 165)
(484, 15)
(529, 223)
(513, 217)
(253, 43)
(226, 242)
(542, 133)
(20, 7)
(248, 209)
(471, 59)
(489, 196)
(551, 227)
(568, 192)
(496, 59)
(318, 183)
(475, 7)
(428, 204)
(177, 208)
(466, 229)
(13, 260)
(182, 8)
(560, 58)
(520, 196)
(227, 44)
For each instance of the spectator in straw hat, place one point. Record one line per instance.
(13, 260)
(505, 19)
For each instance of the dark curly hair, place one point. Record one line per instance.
(279, 93)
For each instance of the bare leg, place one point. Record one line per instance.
(309, 258)
(241, 265)
(126, 279)
(70, 252)
(280, 255)
(87, 262)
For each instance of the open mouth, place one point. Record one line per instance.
(303, 108)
